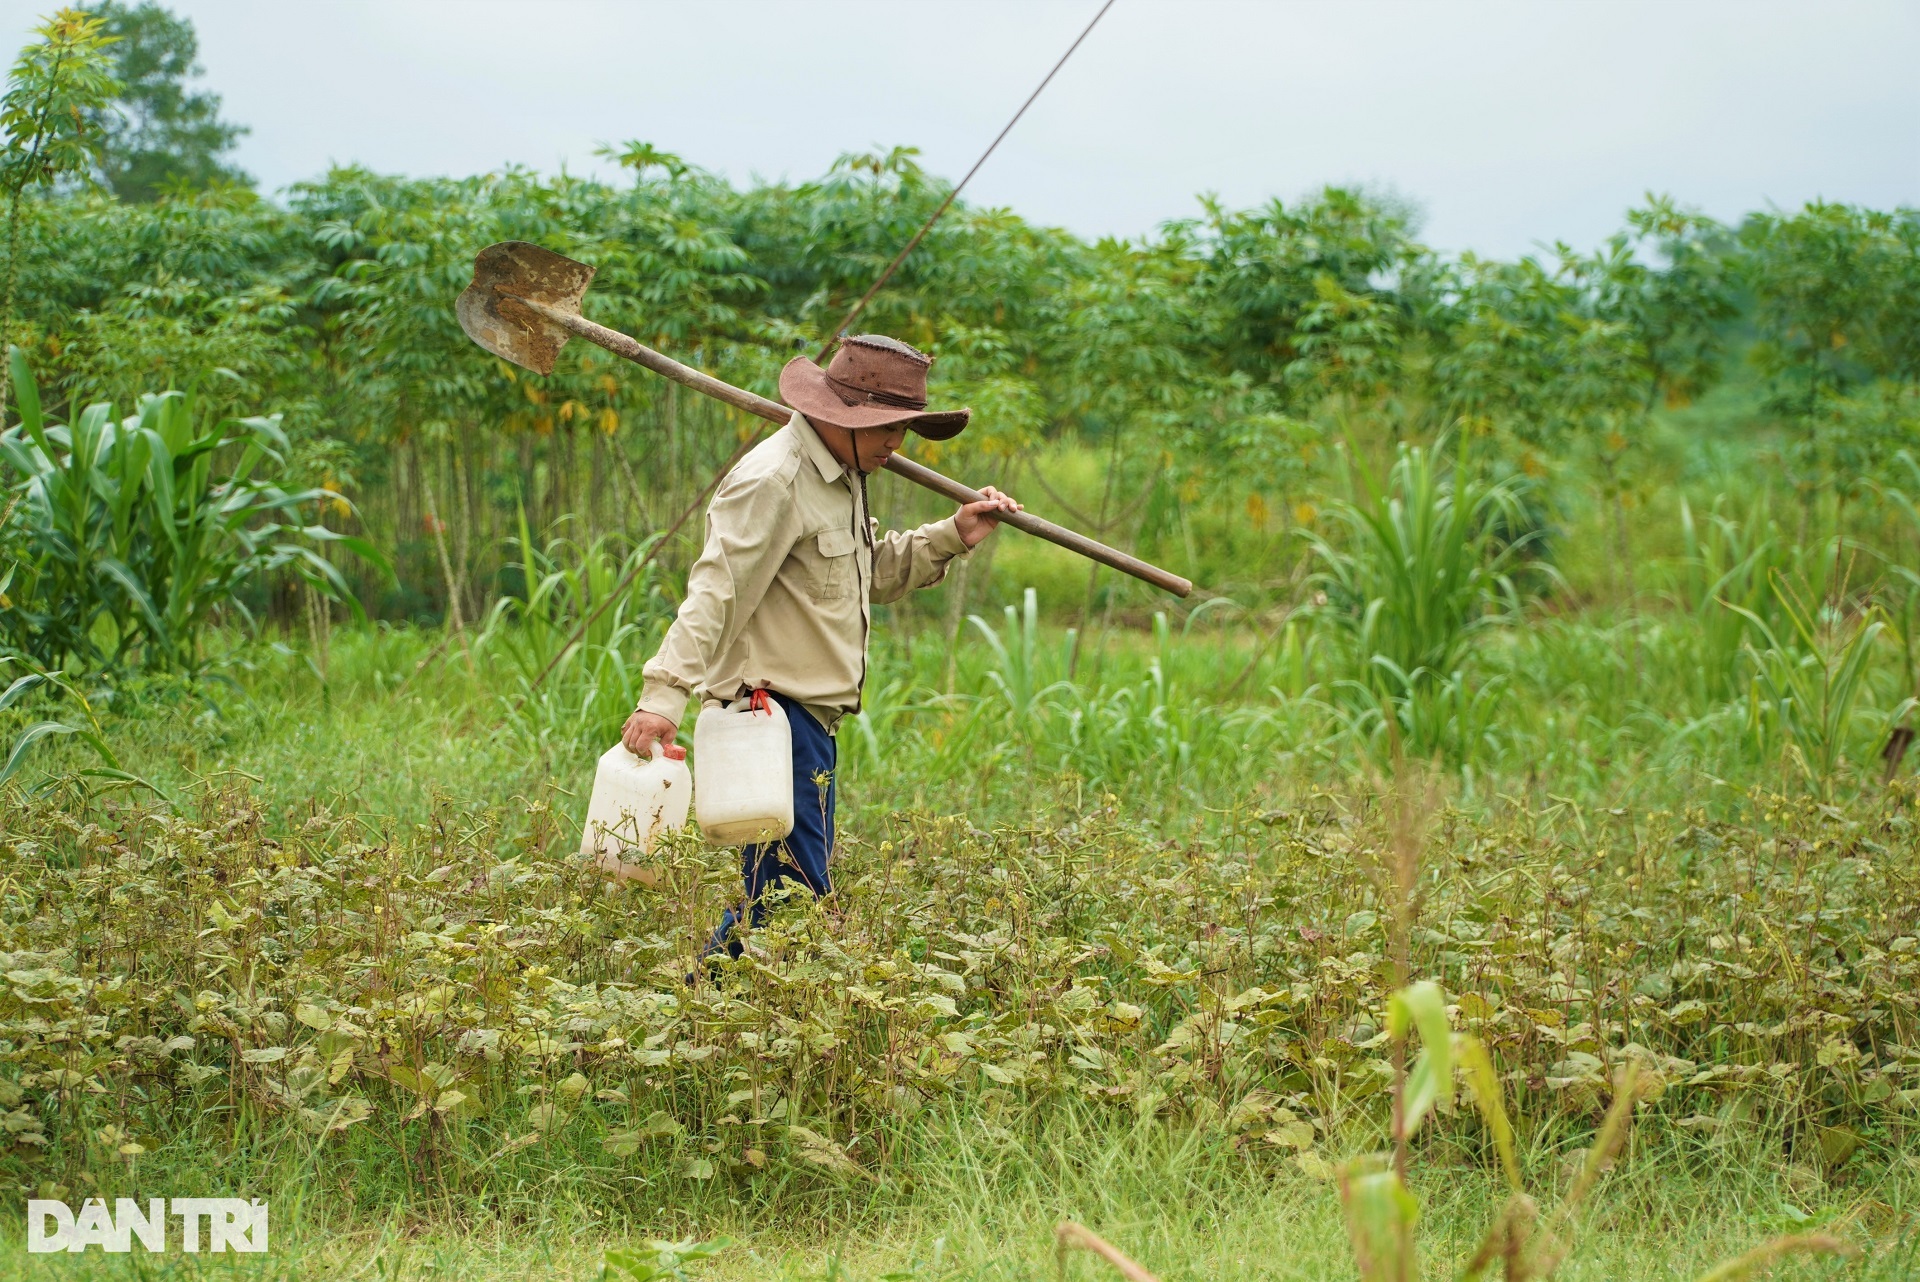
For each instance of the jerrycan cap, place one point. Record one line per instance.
(673, 752)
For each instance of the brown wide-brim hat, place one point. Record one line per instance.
(872, 381)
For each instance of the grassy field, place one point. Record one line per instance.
(1122, 897)
(1174, 1211)
(1107, 949)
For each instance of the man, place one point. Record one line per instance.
(778, 600)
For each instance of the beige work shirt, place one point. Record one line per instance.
(779, 597)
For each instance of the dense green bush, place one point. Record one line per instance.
(1178, 394)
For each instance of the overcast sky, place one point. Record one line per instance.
(1510, 122)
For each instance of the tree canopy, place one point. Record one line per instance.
(159, 131)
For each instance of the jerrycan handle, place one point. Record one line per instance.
(671, 751)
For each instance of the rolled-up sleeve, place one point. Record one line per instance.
(750, 531)
(909, 559)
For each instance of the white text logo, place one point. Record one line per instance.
(231, 1224)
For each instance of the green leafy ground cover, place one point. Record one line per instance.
(354, 968)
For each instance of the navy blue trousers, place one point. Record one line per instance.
(800, 858)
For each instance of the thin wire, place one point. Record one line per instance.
(846, 324)
(634, 572)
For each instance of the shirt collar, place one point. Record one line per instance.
(831, 469)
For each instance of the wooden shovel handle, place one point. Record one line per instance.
(774, 412)
(1028, 523)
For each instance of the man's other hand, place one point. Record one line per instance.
(643, 730)
(976, 521)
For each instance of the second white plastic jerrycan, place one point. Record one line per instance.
(745, 753)
(634, 801)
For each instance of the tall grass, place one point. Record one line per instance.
(1810, 679)
(1727, 568)
(1419, 571)
(569, 646)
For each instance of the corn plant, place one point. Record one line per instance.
(132, 540)
(568, 692)
(1809, 679)
(1418, 574)
(1726, 579)
(1015, 674)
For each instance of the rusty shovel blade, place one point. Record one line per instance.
(511, 270)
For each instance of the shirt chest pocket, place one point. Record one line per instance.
(829, 561)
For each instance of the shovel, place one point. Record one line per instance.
(524, 304)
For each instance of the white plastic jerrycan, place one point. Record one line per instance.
(634, 801)
(745, 753)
